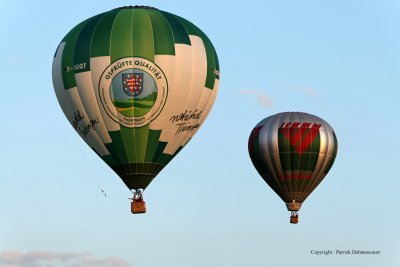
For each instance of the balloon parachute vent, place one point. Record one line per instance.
(136, 6)
(138, 205)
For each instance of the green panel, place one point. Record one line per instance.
(315, 145)
(83, 43)
(160, 159)
(334, 152)
(304, 161)
(254, 141)
(102, 33)
(141, 137)
(108, 159)
(190, 28)
(142, 35)
(314, 150)
(158, 152)
(176, 152)
(254, 150)
(67, 61)
(212, 59)
(308, 161)
(284, 151)
(178, 31)
(163, 158)
(117, 148)
(152, 143)
(283, 142)
(121, 36)
(216, 59)
(128, 139)
(134, 143)
(313, 161)
(294, 161)
(166, 158)
(330, 164)
(285, 161)
(163, 38)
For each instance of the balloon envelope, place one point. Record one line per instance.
(293, 152)
(136, 83)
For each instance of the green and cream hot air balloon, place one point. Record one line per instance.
(136, 83)
(293, 152)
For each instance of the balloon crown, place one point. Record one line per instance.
(136, 6)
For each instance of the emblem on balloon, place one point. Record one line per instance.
(133, 91)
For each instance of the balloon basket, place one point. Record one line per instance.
(294, 218)
(138, 205)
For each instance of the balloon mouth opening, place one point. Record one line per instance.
(293, 206)
(136, 6)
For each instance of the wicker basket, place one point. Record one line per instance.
(138, 206)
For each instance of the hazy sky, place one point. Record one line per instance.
(209, 207)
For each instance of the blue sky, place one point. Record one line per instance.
(338, 60)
